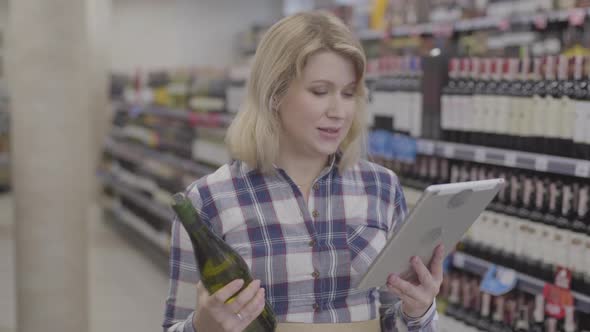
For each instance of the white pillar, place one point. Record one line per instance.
(51, 76)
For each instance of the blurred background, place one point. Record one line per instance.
(108, 107)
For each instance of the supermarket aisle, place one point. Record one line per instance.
(7, 295)
(127, 289)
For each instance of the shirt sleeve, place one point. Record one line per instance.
(184, 276)
(392, 317)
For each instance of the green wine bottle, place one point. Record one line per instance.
(218, 263)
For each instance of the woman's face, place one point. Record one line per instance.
(318, 107)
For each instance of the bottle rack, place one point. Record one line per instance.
(475, 24)
(508, 158)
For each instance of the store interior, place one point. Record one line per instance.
(108, 108)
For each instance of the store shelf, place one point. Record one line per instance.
(138, 154)
(154, 244)
(525, 283)
(151, 206)
(210, 152)
(196, 119)
(370, 35)
(4, 160)
(508, 158)
(481, 23)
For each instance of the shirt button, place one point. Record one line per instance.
(316, 307)
(316, 187)
(312, 243)
(315, 214)
(315, 274)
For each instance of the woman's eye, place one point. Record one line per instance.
(348, 94)
(319, 92)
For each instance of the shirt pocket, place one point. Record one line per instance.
(365, 242)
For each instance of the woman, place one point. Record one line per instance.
(297, 203)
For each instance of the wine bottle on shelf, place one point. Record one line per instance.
(538, 324)
(527, 74)
(454, 306)
(468, 118)
(518, 110)
(473, 314)
(464, 310)
(480, 100)
(539, 105)
(464, 100)
(522, 321)
(566, 108)
(490, 110)
(569, 324)
(504, 120)
(218, 263)
(498, 315)
(582, 107)
(552, 113)
(485, 323)
(448, 103)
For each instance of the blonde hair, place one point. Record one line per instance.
(253, 136)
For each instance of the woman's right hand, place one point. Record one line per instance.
(213, 314)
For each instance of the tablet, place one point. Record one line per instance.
(443, 214)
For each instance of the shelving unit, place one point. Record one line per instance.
(474, 24)
(525, 283)
(508, 158)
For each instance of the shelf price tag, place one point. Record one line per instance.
(510, 160)
(582, 169)
(426, 147)
(540, 21)
(459, 260)
(448, 151)
(541, 164)
(576, 17)
(480, 155)
(504, 25)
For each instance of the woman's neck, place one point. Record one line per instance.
(303, 171)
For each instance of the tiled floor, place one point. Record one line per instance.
(127, 289)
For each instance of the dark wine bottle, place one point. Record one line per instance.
(582, 105)
(538, 324)
(218, 263)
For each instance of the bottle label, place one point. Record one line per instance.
(486, 300)
(566, 205)
(568, 113)
(528, 192)
(539, 193)
(580, 118)
(526, 126)
(553, 197)
(546, 235)
(444, 170)
(473, 173)
(556, 300)
(502, 117)
(434, 168)
(576, 251)
(552, 117)
(477, 113)
(514, 189)
(583, 202)
(587, 123)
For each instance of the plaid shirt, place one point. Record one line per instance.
(307, 255)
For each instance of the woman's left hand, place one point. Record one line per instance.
(418, 297)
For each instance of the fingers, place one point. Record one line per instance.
(424, 276)
(227, 291)
(403, 288)
(252, 309)
(245, 296)
(436, 263)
